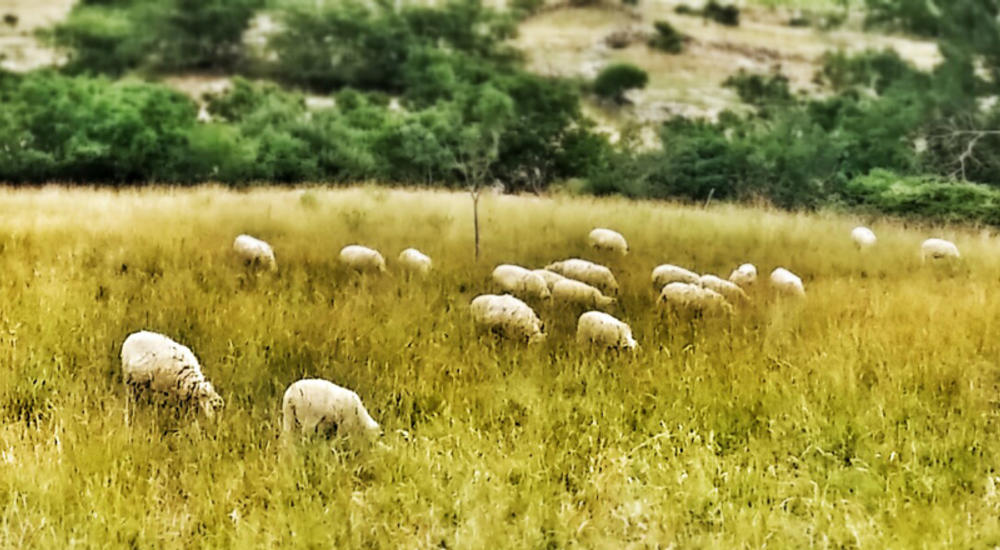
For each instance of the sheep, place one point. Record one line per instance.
(608, 240)
(318, 406)
(155, 362)
(744, 275)
(520, 281)
(587, 272)
(937, 249)
(575, 292)
(255, 251)
(786, 282)
(362, 258)
(415, 260)
(550, 277)
(667, 273)
(507, 316)
(693, 297)
(730, 290)
(597, 327)
(863, 237)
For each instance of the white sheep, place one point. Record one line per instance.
(744, 275)
(550, 277)
(362, 258)
(319, 406)
(154, 362)
(597, 327)
(667, 273)
(507, 316)
(863, 237)
(415, 260)
(693, 297)
(936, 249)
(730, 290)
(575, 292)
(255, 251)
(520, 281)
(608, 240)
(588, 272)
(786, 282)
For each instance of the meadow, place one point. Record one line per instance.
(864, 416)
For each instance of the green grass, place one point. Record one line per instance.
(865, 416)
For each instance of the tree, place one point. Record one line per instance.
(615, 80)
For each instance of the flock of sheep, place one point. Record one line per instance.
(155, 363)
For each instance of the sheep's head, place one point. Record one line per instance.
(537, 338)
(365, 421)
(208, 399)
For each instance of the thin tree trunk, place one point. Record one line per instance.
(475, 219)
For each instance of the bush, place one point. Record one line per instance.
(614, 80)
(728, 15)
(760, 90)
(667, 38)
(924, 197)
(877, 70)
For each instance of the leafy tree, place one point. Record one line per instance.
(614, 80)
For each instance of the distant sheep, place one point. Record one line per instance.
(575, 292)
(863, 237)
(937, 249)
(588, 272)
(255, 251)
(786, 282)
(744, 275)
(550, 277)
(507, 316)
(520, 281)
(318, 406)
(362, 258)
(154, 362)
(599, 328)
(694, 298)
(608, 240)
(667, 273)
(730, 290)
(415, 260)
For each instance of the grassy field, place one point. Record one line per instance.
(865, 416)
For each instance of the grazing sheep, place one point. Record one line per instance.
(154, 362)
(255, 251)
(744, 275)
(415, 260)
(731, 291)
(600, 328)
(362, 258)
(520, 281)
(550, 277)
(786, 282)
(667, 273)
(936, 249)
(693, 297)
(863, 237)
(588, 272)
(608, 240)
(575, 292)
(507, 316)
(319, 406)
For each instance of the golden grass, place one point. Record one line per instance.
(865, 416)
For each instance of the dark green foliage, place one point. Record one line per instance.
(684, 9)
(877, 70)
(760, 90)
(725, 14)
(925, 197)
(614, 80)
(667, 38)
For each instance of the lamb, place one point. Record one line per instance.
(744, 275)
(319, 406)
(937, 249)
(608, 240)
(576, 292)
(693, 297)
(667, 273)
(588, 272)
(155, 362)
(520, 281)
(255, 251)
(786, 282)
(863, 237)
(597, 327)
(730, 290)
(415, 260)
(550, 277)
(362, 258)
(507, 316)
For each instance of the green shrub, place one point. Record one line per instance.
(924, 197)
(760, 90)
(667, 38)
(614, 80)
(877, 70)
(727, 14)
